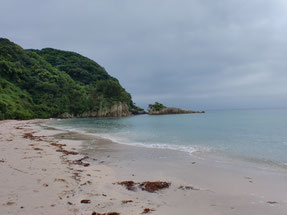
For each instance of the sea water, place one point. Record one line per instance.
(256, 135)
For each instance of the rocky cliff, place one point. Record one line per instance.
(118, 109)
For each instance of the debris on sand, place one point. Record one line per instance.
(85, 201)
(80, 162)
(83, 158)
(272, 202)
(187, 188)
(32, 137)
(58, 145)
(28, 136)
(149, 186)
(130, 185)
(2, 161)
(38, 149)
(76, 176)
(154, 186)
(67, 152)
(60, 180)
(127, 201)
(147, 210)
(10, 203)
(110, 213)
(86, 183)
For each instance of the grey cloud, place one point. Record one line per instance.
(193, 53)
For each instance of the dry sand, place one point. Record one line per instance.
(39, 176)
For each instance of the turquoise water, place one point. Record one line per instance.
(259, 135)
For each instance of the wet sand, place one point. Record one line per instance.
(41, 176)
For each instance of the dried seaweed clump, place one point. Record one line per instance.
(154, 186)
(127, 201)
(81, 163)
(149, 186)
(110, 213)
(32, 137)
(65, 152)
(130, 185)
(85, 201)
(147, 210)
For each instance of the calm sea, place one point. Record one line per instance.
(256, 135)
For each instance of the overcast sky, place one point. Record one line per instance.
(197, 54)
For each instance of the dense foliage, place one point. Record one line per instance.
(156, 107)
(47, 83)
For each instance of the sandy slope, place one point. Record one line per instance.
(36, 179)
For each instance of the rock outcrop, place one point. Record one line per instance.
(139, 112)
(118, 109)
(170, 110)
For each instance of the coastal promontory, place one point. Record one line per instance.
(160, 109)
(54, 83)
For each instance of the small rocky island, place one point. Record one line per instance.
(159, 109)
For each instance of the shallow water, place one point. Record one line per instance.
(254, 135)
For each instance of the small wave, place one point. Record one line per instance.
(188, 149)
(120, 140)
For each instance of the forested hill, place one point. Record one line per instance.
(51, 83)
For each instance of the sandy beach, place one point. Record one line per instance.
(49, 171)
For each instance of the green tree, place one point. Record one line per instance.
(156, 106)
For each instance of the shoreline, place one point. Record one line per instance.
(198, 153)
(47, 174)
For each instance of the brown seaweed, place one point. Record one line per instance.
(130, 185)
(67, 152)
(80, 162)
(32, 137)
(126, 201)
(85, 201)
(154, 186)
(149, 186)
(58, 144)
(110, 213)
(147, 210)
